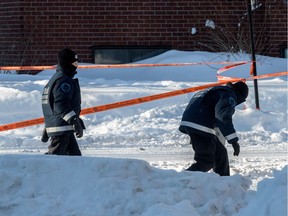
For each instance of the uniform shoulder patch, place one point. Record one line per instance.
(65, 87)
(232, 101)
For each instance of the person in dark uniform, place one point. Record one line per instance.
(61, 106)
(208, 121)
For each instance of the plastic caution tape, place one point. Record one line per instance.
(263, 76)
(120, 104)
(225, 78)
(130, 102)
(115, 65)
(149, 98)
(22, 124)
(228, 67)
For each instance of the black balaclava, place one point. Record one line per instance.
(65, 59)
(241, 90)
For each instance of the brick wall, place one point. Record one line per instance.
(278, 28)
(10, 26)
(39, 28)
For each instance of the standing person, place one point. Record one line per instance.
(208, 121)
(61, 106)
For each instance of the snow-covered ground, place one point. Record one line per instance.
(134, 157)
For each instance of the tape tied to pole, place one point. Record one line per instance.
(221, 80)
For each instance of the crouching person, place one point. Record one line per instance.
(208, 121)
(61, 106)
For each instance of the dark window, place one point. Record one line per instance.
(125, 54)
(284, 52)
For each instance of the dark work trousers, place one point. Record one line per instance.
(210, 153)
(64, 145)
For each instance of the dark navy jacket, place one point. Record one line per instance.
(209, 109)
(61, 100)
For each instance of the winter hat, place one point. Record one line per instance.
(66, 57)
(241, 90)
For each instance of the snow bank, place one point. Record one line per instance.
(271, 197)
(50, 185)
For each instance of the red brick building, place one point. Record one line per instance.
(32, 31)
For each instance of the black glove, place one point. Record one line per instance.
(77, 127)
(82, 123)
(236, 148)
(44, 137)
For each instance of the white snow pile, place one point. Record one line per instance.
(103, 186)
(134, 158)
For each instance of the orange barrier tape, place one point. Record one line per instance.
(251, 69)
(114, 65)
(110, 106)
(228, 67)
(27, 67)
(100, 108)
(263, 76)
(149, 98)
(22, 124)
(225, 78)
